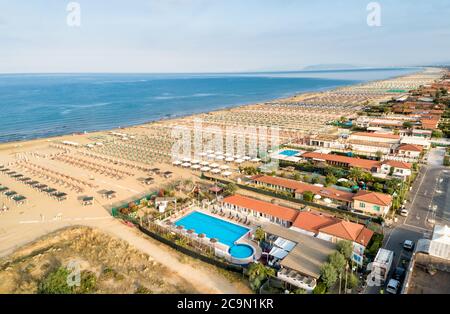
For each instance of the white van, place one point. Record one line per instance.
(393, 286)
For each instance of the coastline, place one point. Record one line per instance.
(305, 93)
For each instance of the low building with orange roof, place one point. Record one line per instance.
(409, 150)
(376, 137)
(342, 161)
(262, 210)
(334, 230)
(396, 168)
(373, 203)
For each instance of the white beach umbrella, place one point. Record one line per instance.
(224, 167)
(228, 155)
(177, 163)
(186, 159)
(195, 161)
(238, 161)
(204, 163)
(256, 160)
(195, 166)
(220, 157)
(226, 173)
(214, 165)
(205, 169)
(210, 151)
(247, 158)
(215, 170)
(229, 159)
(186, 164)
(211, 156)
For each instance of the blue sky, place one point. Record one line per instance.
(219, 35)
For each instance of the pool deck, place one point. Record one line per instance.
(257, 252)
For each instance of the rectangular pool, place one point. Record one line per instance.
(289, 152)
(224, 231)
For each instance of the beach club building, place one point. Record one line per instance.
(334, 230)
(342, 161)
(395, 168)
(376, 137)
(330, 196)
(260, 210)
(409, 150)
(372, 203)
(378, 204)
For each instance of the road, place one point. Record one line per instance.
(428, 200)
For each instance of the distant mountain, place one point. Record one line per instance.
(337, 66)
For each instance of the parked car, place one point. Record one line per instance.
(404, 212)
(399, 273)
(393, 286)
(408, 245)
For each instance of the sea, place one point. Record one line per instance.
(44, 105)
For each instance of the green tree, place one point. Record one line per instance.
(345, 248)
(299, 291)
(338, 261)
(330, 179)
(407, 125)
(328, 274)
(321, 288)
(308, 196)
(314, 180)
(378, 187)
(260, 234)
(355, 174)
(296, 176)
(257, 274)
(230, 189)
(352, 281)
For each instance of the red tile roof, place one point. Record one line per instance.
(379, 135)
(301, 187)
(284, 213)
(349, 231)
(351, 161)
(312, 222)
(373, 198)
(398, 164)
(410, 147)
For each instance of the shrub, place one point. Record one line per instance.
(328, 274)
(308, 196)
(55, 283)
(321, 288)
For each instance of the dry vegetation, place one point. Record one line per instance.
(116, 266)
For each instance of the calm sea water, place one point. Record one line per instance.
(42, 105)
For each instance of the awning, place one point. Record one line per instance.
(284, 244)
(278, 253)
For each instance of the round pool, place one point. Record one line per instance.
(241, 251)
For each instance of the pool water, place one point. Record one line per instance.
(289, 152)
(225, 232)
(241, 251)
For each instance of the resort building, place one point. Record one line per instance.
(418, 141)
(372, 203)
(334, 230)
(376, 137)
(330, 196)
(297, 257)
(396, 168)
(409, 150)
(260, 210)
(343, 161)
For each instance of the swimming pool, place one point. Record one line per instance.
(225, 232)
(289, 152)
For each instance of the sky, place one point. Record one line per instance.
(157, 36)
